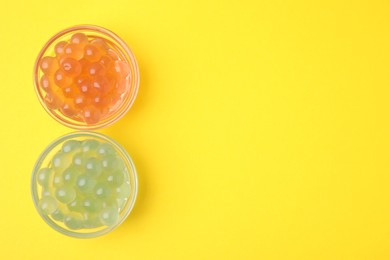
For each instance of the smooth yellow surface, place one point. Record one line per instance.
(261, 129)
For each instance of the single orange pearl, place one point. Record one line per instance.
(95, 69)
(74, 51)
(106, 60)
(81, 101)
(67, 109)
(70, 91)
(70, 67)
(49, 65)
(113, 54)
(100, 44)
(122, 85)
(91, 115)
(92, 53)
(52, 101)
(79, 38)
(85, 85)
(122, 68)
(60, 47)
(101, 84)
(61, 79)
(47, 83)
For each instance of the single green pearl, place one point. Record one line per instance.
(85, 183)
(93, 166)
(79, 159)
(45, 192)
(123, 191)
(73, 221)
(58, 215)
(121, 203)
(105, 149)
(65, 194)
(71, 146)
(92, 205)
(112, 162)
(47, 205)
(110, 203)
(102, 191)
(61, 161)
(89, 145)
(115, 178)
(44, 176)
(92, 220)
(58, 179)
(109, 216)
(76, 205)
(70, 174)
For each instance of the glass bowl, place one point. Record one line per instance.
(86, 77)
(84, 184)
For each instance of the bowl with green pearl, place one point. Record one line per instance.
(84, 184)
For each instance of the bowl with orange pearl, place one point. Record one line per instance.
(86, 77)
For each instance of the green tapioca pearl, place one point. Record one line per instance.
(92, 220)
(123, 191)
(79, 159)
(89, 145)
(110, 203)
(92, 204)
(73, 221)
(58, 215)
(71, 146)
(109, 216)
(65, 194)
(112, 162)
(105, 149)
(44, 176)
(61, 161)
(115, 178)
(71, 173)
(93, 166)
(47, 205)
(76, 205)
(45, 192)
(58, 179)
(85, 183)
(102, 191)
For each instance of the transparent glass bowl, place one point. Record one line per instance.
(79, 196)
(68, 104)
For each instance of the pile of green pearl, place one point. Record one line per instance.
(85, 185)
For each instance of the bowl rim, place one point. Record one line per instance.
(130, 58)
(129, 204)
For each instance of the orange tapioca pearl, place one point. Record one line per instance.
(48, 65)
(52, 100)
(92, 53)
(75, 51)
(79, 38)
(95, 69)
(102, 84)
(68, 109)
(61, 79)
(60, 47)
(47, 83)
(122, 68)
(70, 67)
(112, 54)
(91, 115)
(82, 101)
(106, 61)
(100, 44)
(70, 91)
(85, 86)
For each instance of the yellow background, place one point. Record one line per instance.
(261, 129)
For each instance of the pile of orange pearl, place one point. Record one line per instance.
(86, 79)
